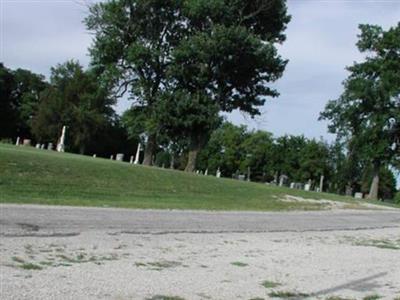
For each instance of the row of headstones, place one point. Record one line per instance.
(27, 142)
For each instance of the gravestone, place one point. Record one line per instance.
(94, 155)
(17, 142)
(292, 184)
(131, 160)
(307, 187)
(61, 141)
(282, 179)
(218, 174)
(321, 183)
(111, 157)
(50, 146)
(241, 177)
(137, 154)
(206, 172)
(26, 142)
(120, 157)
(358, 195)
(42, 146)
(37, 146)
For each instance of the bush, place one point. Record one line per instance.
(397, 198)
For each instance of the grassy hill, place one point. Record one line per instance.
(29, 175)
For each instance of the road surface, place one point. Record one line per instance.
(36, 220)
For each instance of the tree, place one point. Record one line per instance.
(229, 56)
(132, 45)
(369, 107)
(19, 94)
(76, 100)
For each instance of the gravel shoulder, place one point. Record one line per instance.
(116, 254)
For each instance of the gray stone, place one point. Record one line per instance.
(120, 157)
(17, 142)
(358, 195)
(26, 142)
(50, 146)
(60, 144)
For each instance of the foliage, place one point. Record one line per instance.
(76, 100)
(367, 114)
(19, 94)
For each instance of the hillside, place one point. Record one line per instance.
(29, 175)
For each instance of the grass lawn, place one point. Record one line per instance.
(29, 175)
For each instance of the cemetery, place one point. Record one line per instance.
(200, 149)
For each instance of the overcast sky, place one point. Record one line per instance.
(320, 42)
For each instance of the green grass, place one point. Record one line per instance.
(239, 264)
(30, 266)
(287, 295)
(270, 284)
(29, 175)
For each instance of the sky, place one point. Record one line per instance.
(321, 37)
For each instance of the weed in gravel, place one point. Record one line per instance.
(270, 284)
(239, 264)
(337, 298)
(372, 297)
(287, 295)
(162, 297)
(159, 265)
(257, 298)
(30, 266)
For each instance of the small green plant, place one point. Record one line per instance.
(162, 297)
(287, 294)
(270, 284)
(337, 298)
(31, 266)
(372, 297)
(239, 264)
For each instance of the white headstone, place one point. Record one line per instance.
(17, 142)
(50, 146)
(321, 183)
(37, 146)
(137, 154)
(42, 146)
(307, 187)
(292, 185)
(131, 160)
(120, 157)
(206, 172)
(94, 155)
(218, 175)
(26, 142)
(61, 141)
(358, 195)
(111, 157)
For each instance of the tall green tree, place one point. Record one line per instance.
(369, 107)
(133, 41)
(19, 98)
(229, 56)
(74, 99)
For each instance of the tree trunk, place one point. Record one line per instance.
(191, 164)
(373, 191)
(172, 163)
(149, 150)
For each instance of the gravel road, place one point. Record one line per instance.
(54, 252)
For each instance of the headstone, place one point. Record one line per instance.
(307, 187)
(137, 154)
(50, 146)
(292, 184)
(111, 157)
(17, 142)
(358, 195)
(61, 141)
(321, 183)
(26, 142)
(218, 174)
(42, 146)
(94, 155)
(120, 157)
(37, 146)
(282, 179)
(206, 172)
(241, 177)
(131, 160)
(197, 172)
